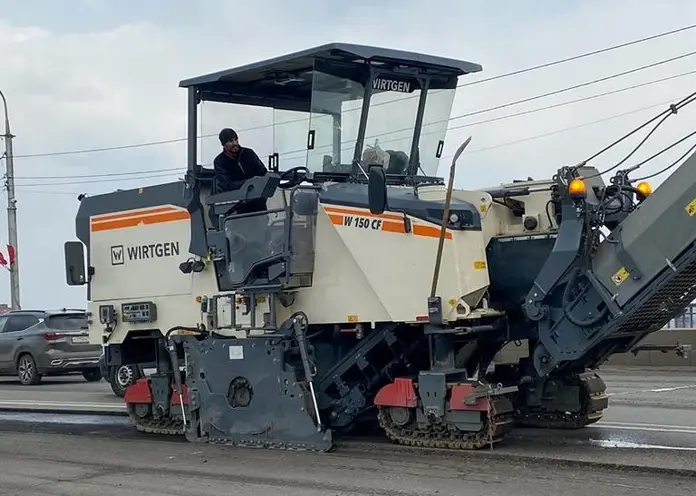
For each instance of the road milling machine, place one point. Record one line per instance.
(323, 313)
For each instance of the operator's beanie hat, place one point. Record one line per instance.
(226, 135)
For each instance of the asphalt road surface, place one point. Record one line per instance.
(50, 464)
(645, 443)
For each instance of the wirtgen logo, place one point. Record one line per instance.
(117, 255)
(144, 252)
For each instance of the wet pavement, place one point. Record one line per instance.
(651, 410)
(53, 464)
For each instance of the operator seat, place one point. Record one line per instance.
(398, 161)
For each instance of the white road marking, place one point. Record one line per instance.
(680, 429)
(658, 390)
(56, 404)
(622, 444)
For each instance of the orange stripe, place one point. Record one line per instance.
(398, 227)
(171, 216)
(123, 215)
(336, 219)
(364, 213)
(395, 227)
(429, 231)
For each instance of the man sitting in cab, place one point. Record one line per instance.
(234, 165)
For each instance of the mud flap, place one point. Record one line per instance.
(245, 393)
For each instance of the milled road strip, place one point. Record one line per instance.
(656, 390)
(564, 450)
(40, 464)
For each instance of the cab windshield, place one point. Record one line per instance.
(324, 137)
(331, 131)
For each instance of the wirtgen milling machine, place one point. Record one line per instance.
(280, 328)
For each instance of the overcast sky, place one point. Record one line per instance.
(96, 73)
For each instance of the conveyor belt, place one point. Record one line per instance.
(648, 265)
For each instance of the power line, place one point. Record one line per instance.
(504, 117)
(477, 150)
(580, 56)
(490, 109)
(110, 174)
(93, 181)
(539, 109)
(469, 124)
(555, 92)
(565, 129)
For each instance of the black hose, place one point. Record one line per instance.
(566, 302)
(181, 328)
(174, 359)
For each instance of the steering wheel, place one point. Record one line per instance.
(297, 177)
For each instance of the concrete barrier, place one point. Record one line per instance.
(512, 353)
(658, 358)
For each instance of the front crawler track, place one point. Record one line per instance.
(593, 401)
(499, 422)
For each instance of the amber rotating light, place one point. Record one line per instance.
(577, 188)
(643, 190)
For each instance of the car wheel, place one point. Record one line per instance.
(92, 375)
(121, 377)
(27, 371)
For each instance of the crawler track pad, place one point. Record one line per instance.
(242, 392)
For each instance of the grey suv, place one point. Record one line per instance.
(34, 343)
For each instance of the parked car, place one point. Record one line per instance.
(37, 343)
(119, 377)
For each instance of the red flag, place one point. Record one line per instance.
(3, 261)
(11, 253)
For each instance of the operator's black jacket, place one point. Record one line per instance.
(230, 173)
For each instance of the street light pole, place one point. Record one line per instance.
(11, 212)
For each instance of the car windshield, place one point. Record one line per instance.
(67, 322)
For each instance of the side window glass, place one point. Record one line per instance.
(20, 322)
(3, 321)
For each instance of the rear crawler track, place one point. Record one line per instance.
(405, 420)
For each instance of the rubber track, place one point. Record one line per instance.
(174, 427)
(442, 437)
(562, 420)
(164, 425)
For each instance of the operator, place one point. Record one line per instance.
(234, 165)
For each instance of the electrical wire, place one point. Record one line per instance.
(562, 130)
(477, 150)
(534, 110)
(95, 181)
(553, 93)
(576, 57)
(470, 124)
(111, 174)
(461, 116)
